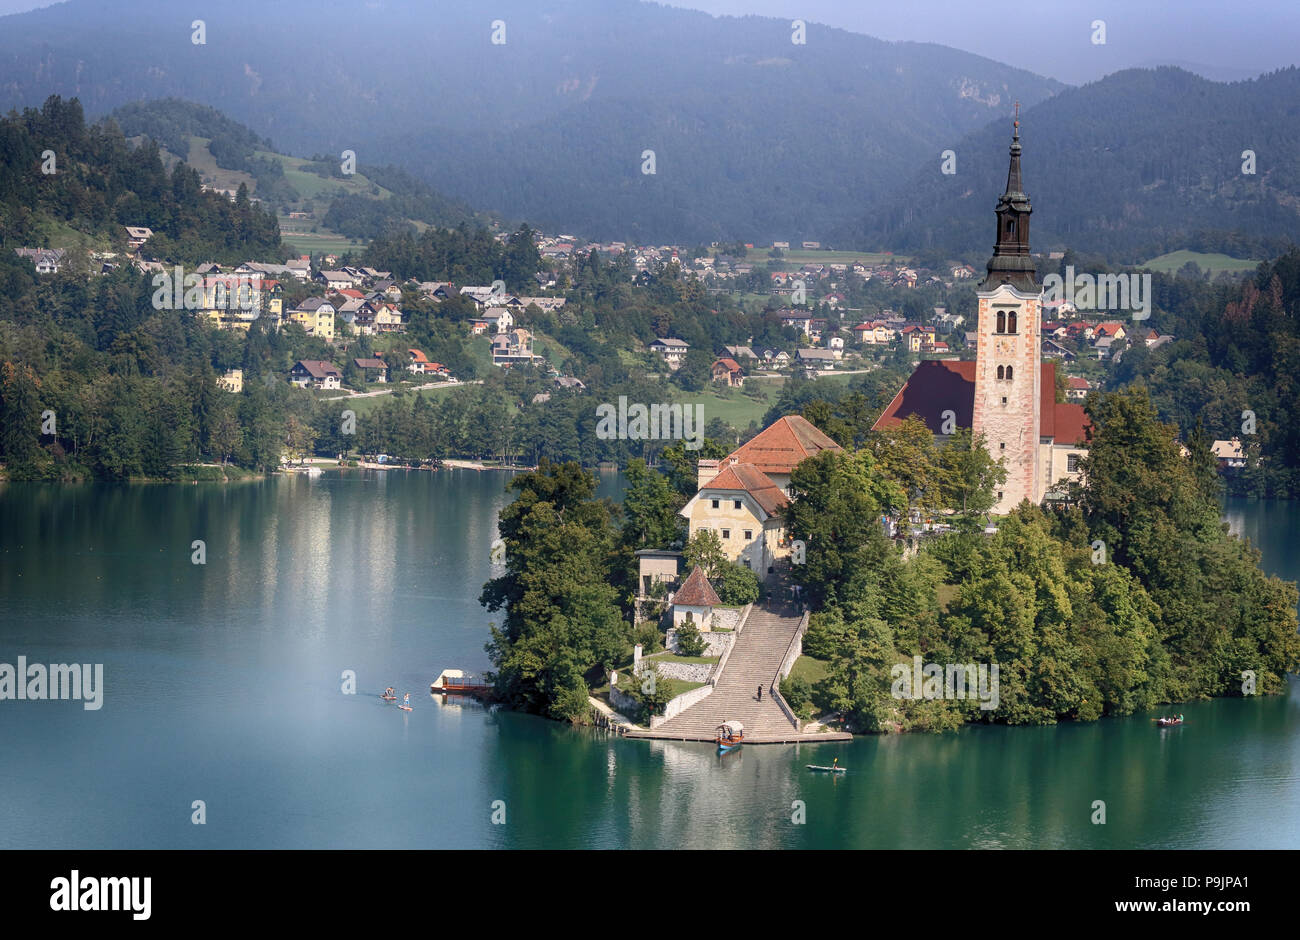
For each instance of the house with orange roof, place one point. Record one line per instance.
(776, 450)
(746, 510)
(728, 370)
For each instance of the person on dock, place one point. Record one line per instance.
(760, 693)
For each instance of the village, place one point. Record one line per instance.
(823, 336)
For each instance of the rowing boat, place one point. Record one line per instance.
(829, 770)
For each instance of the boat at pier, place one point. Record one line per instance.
(729, 736)
(455, 682)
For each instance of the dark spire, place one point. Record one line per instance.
(1011, 263)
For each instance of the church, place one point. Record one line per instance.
(1008, 393)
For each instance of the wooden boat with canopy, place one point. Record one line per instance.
(455, 682)
(729, 736)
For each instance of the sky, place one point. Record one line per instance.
(1220, 39)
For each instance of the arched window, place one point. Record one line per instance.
(999, 372)
(1008, 373)
(1011, 227)
(1011, 322)
(1002, 321)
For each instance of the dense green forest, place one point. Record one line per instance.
(1135, 597)
(1140, 163)
(1232, 369)
(99, 184)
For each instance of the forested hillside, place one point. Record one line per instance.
(1140, 163)
(756, 136)
(100, 184)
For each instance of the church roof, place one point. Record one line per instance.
(780, 446)
(948, 385)
(697, 591)
(748, 478)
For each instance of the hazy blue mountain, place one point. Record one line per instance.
(754, 136)
(1139, 163)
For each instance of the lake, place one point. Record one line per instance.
(223, 682)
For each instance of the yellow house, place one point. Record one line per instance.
(745, 509)
(316, 315)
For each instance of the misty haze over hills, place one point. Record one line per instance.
(754, 137)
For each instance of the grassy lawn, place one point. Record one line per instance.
(810, 670)
(1213, 263)
(363, 405)
(737, 408)
(200, 157)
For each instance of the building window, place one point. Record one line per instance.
(1072, 463)
(1002, 445)
(715, 504)
(1011, 322)
(735, 504)
(1004, 399)
(1002, 321)
(726, 533)
(1009, 368)
(999, 494)
(1000, 372)
(749, 533)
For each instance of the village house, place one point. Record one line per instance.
(658, 575)
(419, 364)
(875, 333)
(728, 371)
(512, 348)
(232, 380)
(1054, 350)
(673, 351)
(799, 319)
(336, 280)
(918, 338)
(316, 373)
(1230, 454)
(815, 361)
(1076, 388)
(316, 316)
(137, 235)
(374, 370)
(47, 260)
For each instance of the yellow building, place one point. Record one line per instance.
(746, 510)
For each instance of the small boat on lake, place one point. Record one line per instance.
(455, 682)
(1170, 721)
(818, 768)
(729, 736)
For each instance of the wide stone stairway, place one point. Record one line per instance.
(755, 658)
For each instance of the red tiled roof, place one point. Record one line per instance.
(697, 591)
(945, 384)
(417, 355)
(1075, 381)
(780, 446)
(731, 365)
(748, 478)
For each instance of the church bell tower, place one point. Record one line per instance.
(1008, 354)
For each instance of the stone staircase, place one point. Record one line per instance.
(755, 658)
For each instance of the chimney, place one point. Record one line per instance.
(705, 471)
